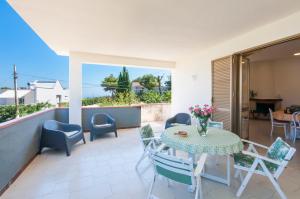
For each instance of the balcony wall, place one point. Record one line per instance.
(19, 143)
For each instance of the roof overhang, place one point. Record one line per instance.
(159, 30)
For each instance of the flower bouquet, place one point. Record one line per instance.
(202, 114)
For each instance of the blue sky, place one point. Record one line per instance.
(35, 60)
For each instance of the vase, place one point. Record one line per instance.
(202, 126)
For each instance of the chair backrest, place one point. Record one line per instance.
(215, 124)
(145, 133)
(173, 168)
(296, 119)
(271, 116)
(183, 118)
(51, 125)
(100, 118)
(282, 152)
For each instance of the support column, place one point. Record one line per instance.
(75, 89)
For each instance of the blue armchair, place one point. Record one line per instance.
(58, 135)
(102, 123)
(180, 118)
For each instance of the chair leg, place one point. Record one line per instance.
(277, 187)
(272, 129)
(247, 178)
(116, 133)
(140, 160)
(40, 149)
(273, 181)
(285, 131)
(91, 137)
(151, 187)
(295, 135)
(83, 139)
(199, 193)
(68, 151)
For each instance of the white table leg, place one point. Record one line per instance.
(192, 188)
(222, 180)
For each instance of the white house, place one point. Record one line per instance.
(39, 91)
(137, 87)
(7, 97)
(49, 91)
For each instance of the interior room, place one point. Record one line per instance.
(273, 83)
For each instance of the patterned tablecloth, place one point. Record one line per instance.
(217, 141)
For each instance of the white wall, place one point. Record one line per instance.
(262, 79)
(192, 75)
(29, 98)
(287, 76)
(277, 78)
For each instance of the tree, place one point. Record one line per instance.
(159, 78)
(124, 85)
(110, 84)
(168, 83)
(149, 81)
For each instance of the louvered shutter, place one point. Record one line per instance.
(221, 91)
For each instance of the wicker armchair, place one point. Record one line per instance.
(58, 135)
(102, 123)
(178, 119)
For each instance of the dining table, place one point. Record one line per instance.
(280, 115)
(216, 142)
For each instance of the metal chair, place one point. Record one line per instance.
(276, 123)
(178, 119)
(178, 170)
(60, 135)
(270, 165)
(102, 123)
(149, 142)
(295, 125)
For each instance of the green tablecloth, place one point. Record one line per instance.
(217, 141)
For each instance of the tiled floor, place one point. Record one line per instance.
(104, 169)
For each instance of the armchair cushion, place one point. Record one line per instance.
(102, 125)
(278, 150)
(71, 133)
(244, 160)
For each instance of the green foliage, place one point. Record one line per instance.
(8, 112)
(110, 84)
(149, 81)
(166, 96)
(126, 98)
(118, 99)
(94, 100)
(124, 84)
(151, 97)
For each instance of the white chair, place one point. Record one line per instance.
(214, 124)
(149, 142)
(276, 123)
(270, 165)
(295, 126)
(178, 170)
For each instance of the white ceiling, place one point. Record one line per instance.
(154, 29)
(280, 51)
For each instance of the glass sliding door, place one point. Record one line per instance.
(244, 92)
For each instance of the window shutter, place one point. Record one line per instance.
(221, 91)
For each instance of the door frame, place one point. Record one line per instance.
(235, 75)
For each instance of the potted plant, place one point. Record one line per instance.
(202, 114)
